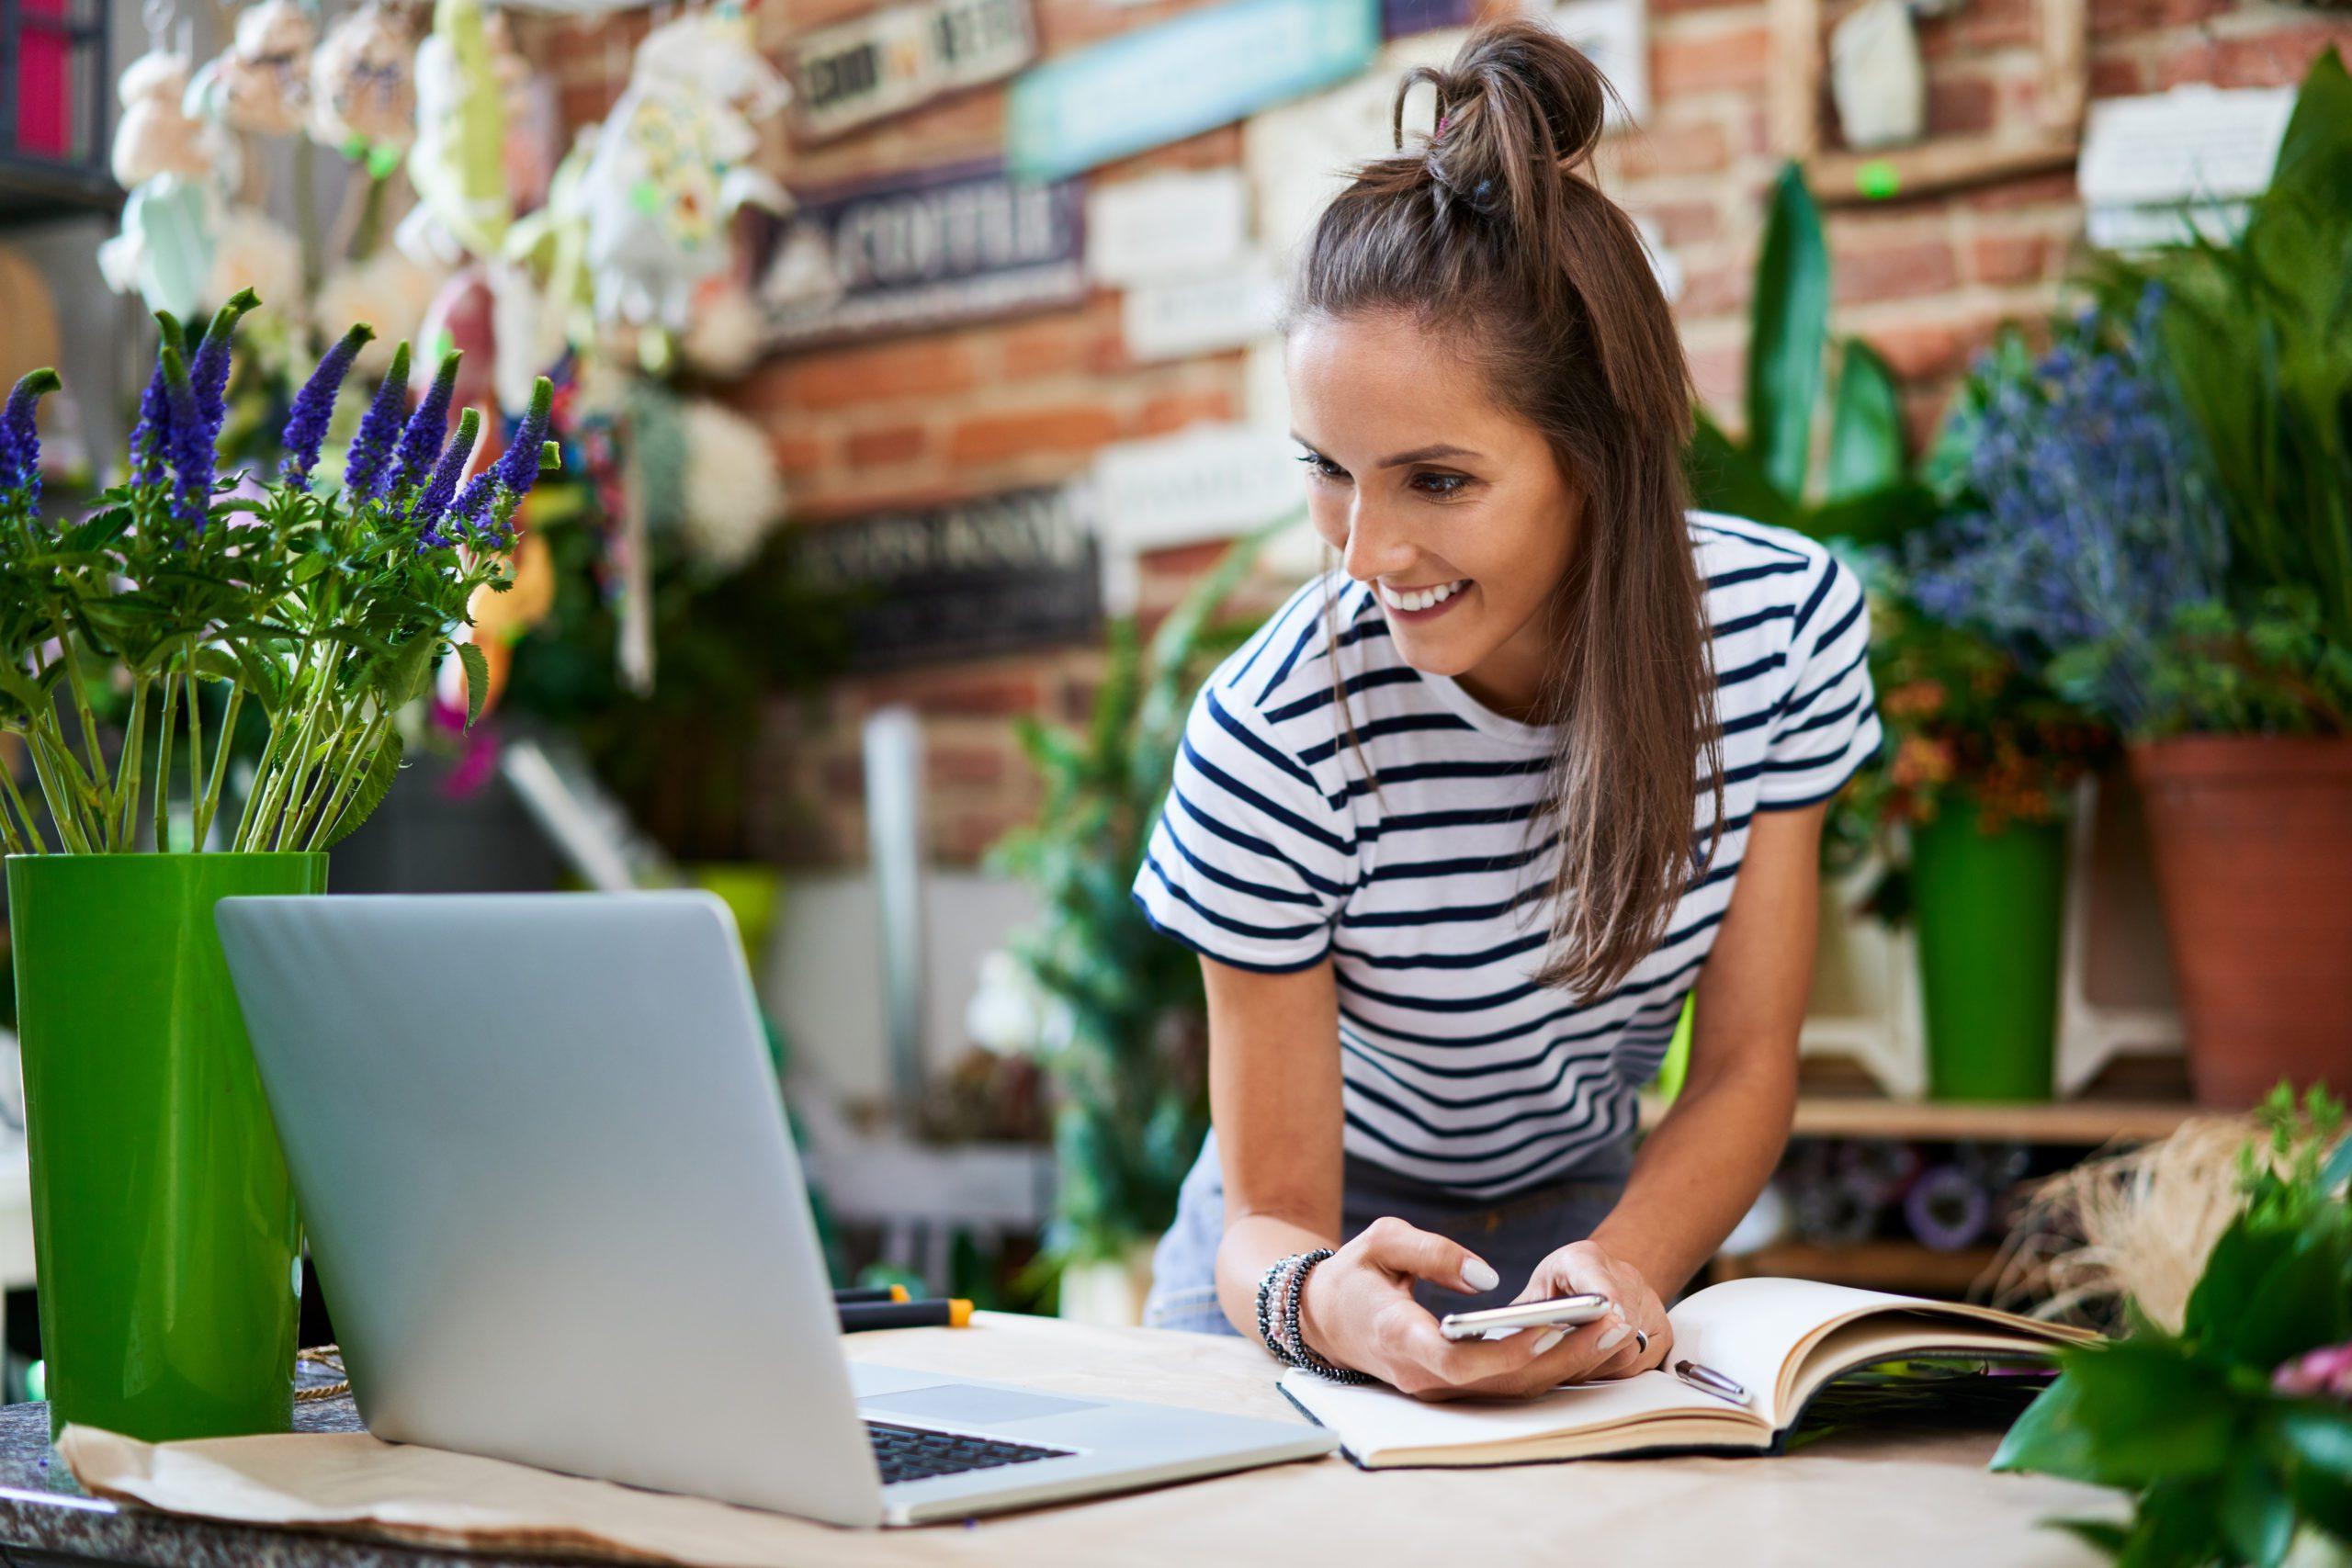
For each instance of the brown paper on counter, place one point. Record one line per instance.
(348, 1481)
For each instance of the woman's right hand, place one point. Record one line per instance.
(1358, 1311)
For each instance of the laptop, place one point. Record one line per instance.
(557, 1215)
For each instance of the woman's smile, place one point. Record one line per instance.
(1419, 604)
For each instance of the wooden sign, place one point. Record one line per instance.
(914, 252)
(1192, 74)
(1212, 481)
(1166, 225)
(898, 58)
(1201, 315)
(994, 574)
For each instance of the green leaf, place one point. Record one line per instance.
(2129, 1413)
(2256, 1514)
(1865, 426)
(477, 680)
(2338, 1168)
(2100, 1535)
(1875, 518)
(1789, 336)
(381, 770)
(403, 675)
(2297, 1302)
(1725, 477)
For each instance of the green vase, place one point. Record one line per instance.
(1988, 908)
(163, 1223)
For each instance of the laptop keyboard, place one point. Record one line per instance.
(917, 1453)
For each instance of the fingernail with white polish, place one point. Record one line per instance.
(1614, 1337)
(1479, 1275)
(1550, 1339)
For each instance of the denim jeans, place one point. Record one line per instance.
(1513, 1234)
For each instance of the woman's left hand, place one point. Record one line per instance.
(1585, 1267)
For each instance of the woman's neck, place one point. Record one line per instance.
(1512, 681)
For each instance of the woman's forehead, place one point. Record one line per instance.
(1385, 382)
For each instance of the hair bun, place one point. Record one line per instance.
(1519, 107)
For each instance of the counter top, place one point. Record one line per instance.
(1918, 1495)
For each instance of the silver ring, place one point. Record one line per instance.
(1641, 1343)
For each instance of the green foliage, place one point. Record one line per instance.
(191, 601)
(1126, 1043)
(2258, 330)
(2272, 670)
(2229, 1464)
(1868, 494)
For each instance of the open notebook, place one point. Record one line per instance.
(1781, 1340)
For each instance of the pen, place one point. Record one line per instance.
(869, 1294)
(937, 1313)
(1708, 1380)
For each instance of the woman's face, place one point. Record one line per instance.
(1451, 508)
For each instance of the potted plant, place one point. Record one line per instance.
(1984, 762)
(164, 1228)
(2250, 803)
(2231, 1426)
(1125, 1028)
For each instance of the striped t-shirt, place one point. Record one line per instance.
(1274, 853)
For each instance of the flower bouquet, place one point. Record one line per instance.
(133, 643)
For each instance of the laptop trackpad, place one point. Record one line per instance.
(972, 1402)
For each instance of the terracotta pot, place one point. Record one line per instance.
(2253, 841)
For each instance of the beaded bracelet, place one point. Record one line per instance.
(1293, 1341)
(1266, 1286)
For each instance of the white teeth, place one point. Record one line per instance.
(1422, 598)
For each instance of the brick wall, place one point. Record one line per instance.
(983, 408)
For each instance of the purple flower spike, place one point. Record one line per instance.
(191, 448)
(306, 425)
(151, 439)
(435, 501)
(420, 440)
(21, 435)
(371, 449)
(209, 372)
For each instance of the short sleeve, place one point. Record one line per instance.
(1827, 727)
(1250, 860)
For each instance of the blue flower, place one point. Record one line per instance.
(420, 441)
(190, 447)
(20, 435)
(306, 424)
(371, 449)
(435, 501)
(208, 373)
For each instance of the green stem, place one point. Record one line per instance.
(63, 813)
(253, 788)
(164, 733)
(285, 786)
(210, 803)
(362, 760)
(128, 782)
(195, 750)
(30, 840)
(89, 717)
(316, 791)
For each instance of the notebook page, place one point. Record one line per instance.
(1747, 1329)
(1369, 1417)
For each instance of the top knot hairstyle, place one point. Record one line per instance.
(1491, 236)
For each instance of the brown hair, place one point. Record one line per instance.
(1492, 234)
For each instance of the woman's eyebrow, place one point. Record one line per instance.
(1426, 454)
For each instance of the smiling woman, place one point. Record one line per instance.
(1461, 829)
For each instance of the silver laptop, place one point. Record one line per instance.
(557, 1215)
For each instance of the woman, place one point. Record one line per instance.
(1460, 829)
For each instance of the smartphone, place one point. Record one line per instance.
(1495, 1322)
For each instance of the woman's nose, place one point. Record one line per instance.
(1376, 546)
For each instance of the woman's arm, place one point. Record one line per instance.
(1701, 1168)
(1274, 1094)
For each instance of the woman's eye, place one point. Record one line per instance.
(1322, 468)
(1440, 485)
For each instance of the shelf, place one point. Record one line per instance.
(1871, 1265)
(2086, 1123)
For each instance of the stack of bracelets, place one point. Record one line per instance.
(1279, 1292)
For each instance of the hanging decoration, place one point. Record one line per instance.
(457, 163)
(260, 82)
(363, 87)
(668, 169)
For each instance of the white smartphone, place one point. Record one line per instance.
(1561, 1311)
